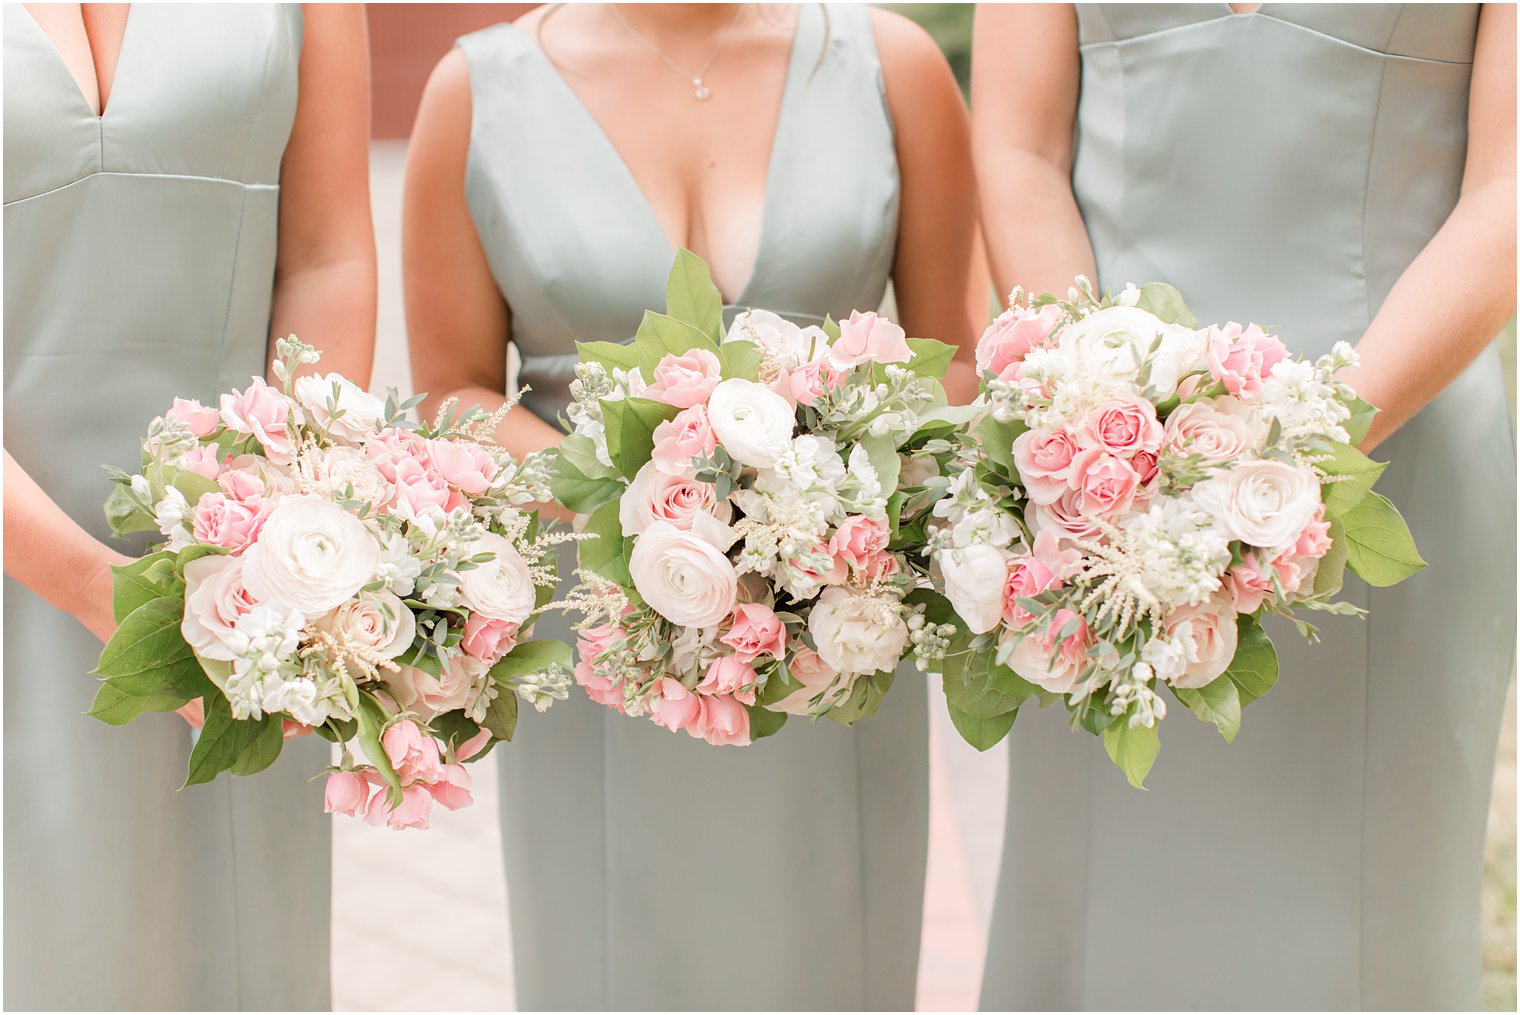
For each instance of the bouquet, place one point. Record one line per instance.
(329, 565)
(1138, 494)
(754, 540)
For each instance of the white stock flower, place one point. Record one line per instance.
(310, 556)
(173, 517)
(974, 580)
(752, 423)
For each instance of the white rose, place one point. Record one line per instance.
(682, 576)
(1262, 503)
(311, 556)
(215, 597)
(379, 621)
(752, 423)
(655, 496)
(343, 466)
(1113, 342)
(974, 580)
(787, 343)
(359, 412)
(1205, 637)
(856, 634)
(501, 588)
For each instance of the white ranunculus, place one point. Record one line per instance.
(1262, 503)
(359, 412)
(752, 423)
(682, 576)
(311, 556)
(855, 633)
(379, 621)
(502, 587)
(974, 580)
(215, 597)
(789, 344)
(1113, 342)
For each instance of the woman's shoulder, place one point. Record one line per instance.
(905, 48)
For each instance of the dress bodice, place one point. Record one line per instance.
(579, 254)
(1285, 165)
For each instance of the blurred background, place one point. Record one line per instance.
(452, 875)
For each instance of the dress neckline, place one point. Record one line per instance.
(641, 200)
(107, 105)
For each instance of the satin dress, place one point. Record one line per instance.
(1285, 167)
(139, 262)
(647, 869)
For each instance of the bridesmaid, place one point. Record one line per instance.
(1336, 171)
(172, 199)
(810, 154)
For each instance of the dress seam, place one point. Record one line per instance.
(148, 176)
(1084, 47)
(860, 867)
(232, 287)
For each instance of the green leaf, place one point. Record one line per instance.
(763, 722)
(864, 700)
(1331, 573)
(883, 456)
(142, 581)
(225, 742)
(944, 421)
(1362, 414)
(146, 640)
(580, 451)
(1217, 702)
(123, 514)
(740, 360)
(1166, 303)
(974, 685)
(1378, 544)
(997, 442)
(982, 732)
(1133, 750)
(930, 358)
(579, 492)
(501, 714)
(1361, 473)
(162, 689)
(630, 424)
(660, 336)
(691, 297)
(607, 554)
(612, 355)
(532, 657)
(262, 748)
(1254, 668)
(372, 719)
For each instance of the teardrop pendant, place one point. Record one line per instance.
(702, 91)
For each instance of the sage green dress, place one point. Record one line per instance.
(1285, 167)
(647, 869)
(139, 261)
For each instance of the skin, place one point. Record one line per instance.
(702, 168)
(1025, 112)
(324, 272)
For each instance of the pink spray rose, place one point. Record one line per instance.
(676, 708)
(1043, 458)
(756, 631)
(808, 382)
(263, 413)
(1106, 484)
(677, 441)
(200, 460)
(1208, 638)
(488, 639)
(1125, 425)
(730, 675)
(1053, 662)
(1010, 337)
(590, 644)
(724, 720)
(1239, 358)
(416, 804)
(201, 419)
(412, 752)
(218, 520)
(860, 542)
(867, 338)
(685, 380)
(1027, 576)
(346, 793)
(1065, 517)
(463, 464)
(453, 787)
(1249, 584)
(421, 491)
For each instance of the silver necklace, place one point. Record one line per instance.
(700, 90)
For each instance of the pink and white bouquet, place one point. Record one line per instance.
(1138, 495)
(329, 565)
(755, 539)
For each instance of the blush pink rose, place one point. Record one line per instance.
(1050, 661)
(1124, 426)
(488, 639)
(1016, 331)
(1027, 576)
(1249, 584)
(807, 383)
(201, 460)
(1208, 429)
(1106, 484)
(346, 793)
(1239, 358)
(1208, 636)
(867, 338)
(1065, 517)
(389, 448)
(730, 675)
(656, 496)
(263, 413)
(412, 752)
(218, 520)
(1147, 466)
(685, 380)
(416, 804)
(453, 787)
(1043, 458)
(860, 542)
(241, 486)
(420, 491)
(463, 464)
(677, 441)
(724, 720)
(590, 644)
(215, 599)
(676, 708)
(201, 419)
(1314, 542)
(756, 631)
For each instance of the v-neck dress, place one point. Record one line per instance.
(647, 869)
(139, 263)
(1286, 167)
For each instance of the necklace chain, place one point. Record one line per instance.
(701, 92)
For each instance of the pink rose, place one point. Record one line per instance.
(1043, 458)
(807, 668)
(724, 720)
(676, 708)
(463, 464)
(867, 338)
(201, 460)
(686, 380)
(1009, 338)
(657, 496)
(730, 675)
(453, 787)
(860, 542)
(421, 491)
(417, 689)
(1027, 576)
(264, 414)
(590, 644)
(1052, 662)
(1124, 426)
(412, 752)
(1249, 585)
(1105, 483)
(416, 804)
(1239, 358)
(1208, 639)
(389, 448)
(1147, 466)
(346, 793)
(677, 441)
(1314, 541)
(808, 382)
(756, 631)
(488, 639)
(1208, 429)
(215, 599)
(1065, 517)
(241, 486)
(199, 418)
(218, 520)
